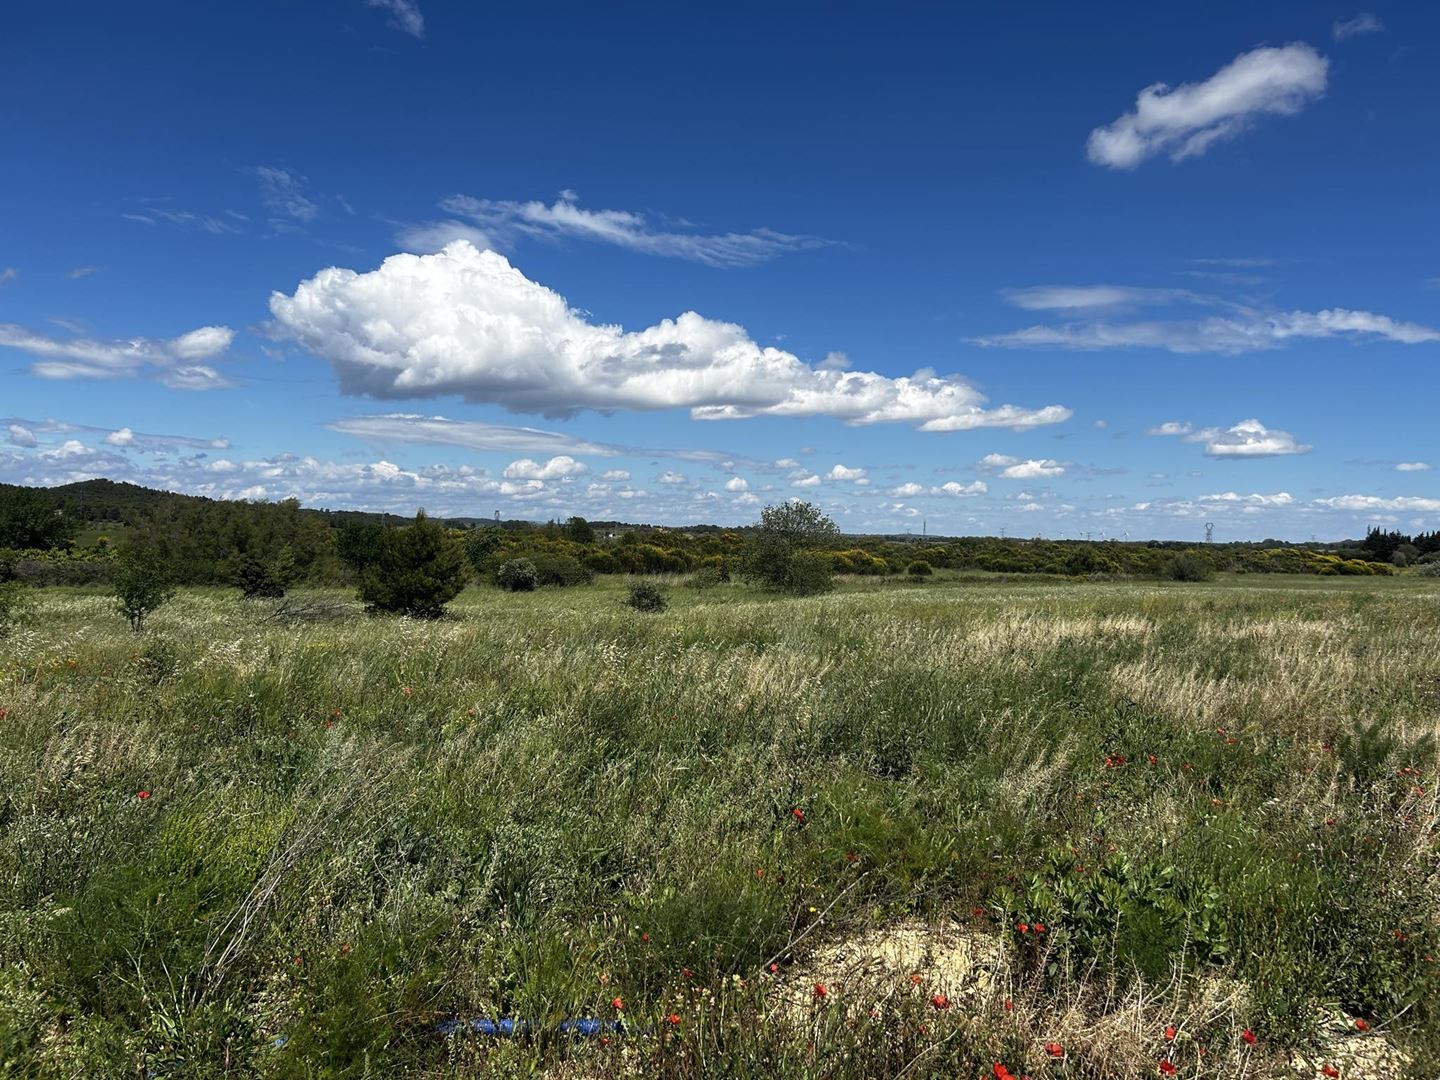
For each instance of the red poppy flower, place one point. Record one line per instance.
(685, 973)
(1330, 1071)
(1167, 1068)
(1001, 1072)
(1039, 927)
(1361, 1025)
(1009, 1005)
(851, 857)
(821, 990)
(1170, 1033)
(1151, 758)
(1249, 1036)
(940, 1001)
(645, 936)
(977, 912)
(1055, 1050)
(798, 814)
(617, 1004)
(674, 1019)
(774, 969)
(142, 795)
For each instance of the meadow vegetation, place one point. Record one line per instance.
(1192, 825)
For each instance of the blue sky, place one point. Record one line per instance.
(1104, 269)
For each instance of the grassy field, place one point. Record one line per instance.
(241, 845)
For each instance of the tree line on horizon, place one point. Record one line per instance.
(68, 536)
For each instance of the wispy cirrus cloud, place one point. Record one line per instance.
(8, 275)
(1185, 121)
(477, 435)
(284, 195)
(230, 223)
(174, 362)
(1241, 328)
(501, 222)
(1362, 24)
(404, 15)
(1097, 297)
(465, 322)
(1247, 439)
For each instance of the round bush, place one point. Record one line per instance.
(646, 596)
(919, 568)
(517, 575)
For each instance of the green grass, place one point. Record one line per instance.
(357, 827)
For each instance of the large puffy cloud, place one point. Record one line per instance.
(1247, 439)
(1187, 120)
(465, 322)
(171, 361)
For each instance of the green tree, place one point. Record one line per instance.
(579, 530)
(415, 570)
(783, 548)
(33, 519)
(481, 545)
(142, 584)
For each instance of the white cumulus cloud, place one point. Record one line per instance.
(556, 468)
(737, 483)
(1187, 120)
(1247, 439)
(842, 472)
(1413, 466)
(465, 322)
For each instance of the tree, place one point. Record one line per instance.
(481, 545)
(142, 584)
(415, 570)
(580, 531)
(31, 519)
(782, 553)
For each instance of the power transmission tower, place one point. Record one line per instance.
(1209, 532)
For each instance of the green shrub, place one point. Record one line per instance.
(919, 568)
(1189, 567)
(264, 579)
(1430, 569)
(646, 596)
(415, 571)
(561, 570)
(707, 577)
(517, 575)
